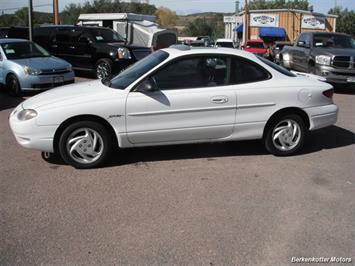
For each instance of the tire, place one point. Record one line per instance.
(13, 85)
(77, 145)
(50, 157)
(103, 68)
(311, 68)
(285, 135)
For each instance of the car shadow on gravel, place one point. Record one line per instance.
(345, 89)
(7, 101)
(325, 139)
(329, 138)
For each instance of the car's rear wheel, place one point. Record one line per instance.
(103, 68)
(285, 135)
(85, 144)
(13, 85)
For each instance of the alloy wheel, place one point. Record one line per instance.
(85, 145)
(286, 135)
(102, 70)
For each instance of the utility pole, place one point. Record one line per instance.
(30, 20)
(246, 22)
(55, 12)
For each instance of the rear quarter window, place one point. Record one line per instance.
(276, 67)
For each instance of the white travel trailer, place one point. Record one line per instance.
(135, 28)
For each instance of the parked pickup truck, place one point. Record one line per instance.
(331, 55)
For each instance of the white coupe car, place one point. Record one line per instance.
(174, 96)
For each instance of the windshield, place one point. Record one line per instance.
(276, 67)
(131, 74)
(19, 50)
(105, 35)
(332, 40)
(225, 44)
(255, 45)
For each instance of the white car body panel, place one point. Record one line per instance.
(176, 116)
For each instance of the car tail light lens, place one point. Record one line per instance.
(328, 93)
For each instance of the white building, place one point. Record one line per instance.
(230, 23)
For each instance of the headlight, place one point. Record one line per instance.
(123, 53)
(323, 60)
(286, 57)
(31, 71)
(26, 114)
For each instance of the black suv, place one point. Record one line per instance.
(96, 49)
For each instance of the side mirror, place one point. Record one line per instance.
(146, 86)
(301, 43)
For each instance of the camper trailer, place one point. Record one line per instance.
(135, 28)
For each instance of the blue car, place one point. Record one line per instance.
(26, 66)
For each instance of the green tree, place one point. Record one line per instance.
(278, 4)
(345, 21)
(166, 17)
(206, 26)
(71, 12)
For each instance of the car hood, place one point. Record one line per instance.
(71, 94)
(335, 51)
(256, 50)
(50, 62)
(122, 44)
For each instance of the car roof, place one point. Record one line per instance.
(177, 51)
(224, 40)
(255, 40)
(11, 40)
(73, 26)
(327, 33)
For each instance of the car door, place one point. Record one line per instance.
(2, 81)
(81, 45)
(65, 46)
(304, 53)
(193, 102)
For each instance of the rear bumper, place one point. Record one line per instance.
(322, 116)
(336, 75)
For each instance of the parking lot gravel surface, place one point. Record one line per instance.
(205, 204)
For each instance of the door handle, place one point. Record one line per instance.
(219, 99)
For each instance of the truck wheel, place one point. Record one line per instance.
(103, 68)
(85, 144)
(285, 135)
(311, 68)
(13, 85)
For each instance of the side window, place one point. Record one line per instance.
(307, 40)
(302, 38)
(193, 72)
(63, 35)
(245, 71)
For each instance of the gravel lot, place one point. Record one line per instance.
(209, 204)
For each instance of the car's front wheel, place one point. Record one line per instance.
(85, 144)
(103, 68)
(285, 135)
(13, 85)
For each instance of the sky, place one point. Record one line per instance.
(182, 7)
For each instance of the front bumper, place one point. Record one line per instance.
(30, 135)
(336, 75)
(45, 82)
(322, 116)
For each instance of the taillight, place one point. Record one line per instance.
(328, 93)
